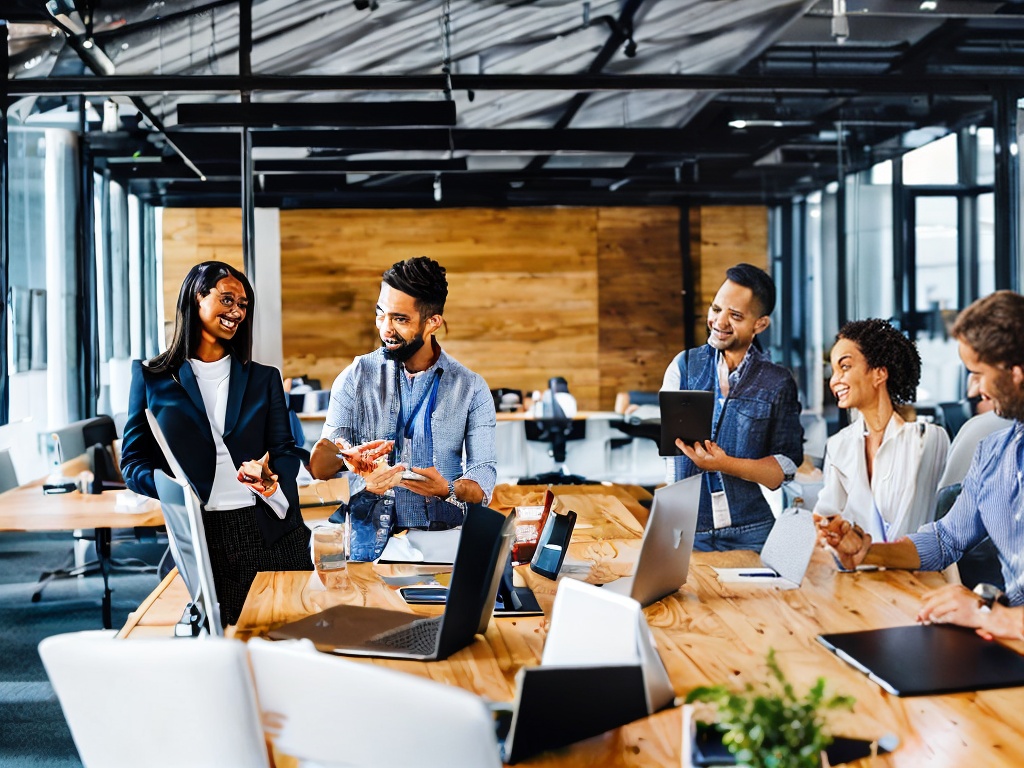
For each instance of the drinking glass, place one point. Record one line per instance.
(330, 553)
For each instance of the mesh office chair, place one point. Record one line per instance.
(156, 702)
(555, 427)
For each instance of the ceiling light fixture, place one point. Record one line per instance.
(928, 5)
(840, 22)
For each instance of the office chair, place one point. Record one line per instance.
(979, 564)
(156, 702)
(8, 476)
(396, 719)
(92, 438)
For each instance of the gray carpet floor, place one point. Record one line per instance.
(33, 732)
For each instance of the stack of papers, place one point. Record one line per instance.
(422, 547)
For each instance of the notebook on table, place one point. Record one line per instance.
(361, 631)
(665, 550)
(785, 556)
(932, 659)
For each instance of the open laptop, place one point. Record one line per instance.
(667, 543)
(186, 535)
(362, 631)
(686, 414)
(921, 660)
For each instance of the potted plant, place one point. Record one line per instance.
(769, 726)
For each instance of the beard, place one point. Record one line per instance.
(402, 353)
(1008, 400)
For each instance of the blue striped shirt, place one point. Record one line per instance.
(990, 504)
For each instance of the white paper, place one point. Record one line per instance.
(423, 547)
(129, 501)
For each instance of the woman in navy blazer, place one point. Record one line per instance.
(226, 421)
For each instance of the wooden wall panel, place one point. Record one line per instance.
(522, 302)
(641, 300)
(591, 294)
(720, 237)
(191, 236)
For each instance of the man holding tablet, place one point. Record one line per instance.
(756, 437)
(417, 406)
(990, 333)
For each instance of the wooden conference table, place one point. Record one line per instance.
(706, 633)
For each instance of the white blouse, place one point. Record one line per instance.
(227, 492)
(900, 497)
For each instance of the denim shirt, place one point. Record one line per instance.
(365, 404)
(760, 417)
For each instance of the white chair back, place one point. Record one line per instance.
(156, 702)
(337, 712)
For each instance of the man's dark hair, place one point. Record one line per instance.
(758, 281)
(993, 327)
(423, 279)
(199, 281)
(885, 347)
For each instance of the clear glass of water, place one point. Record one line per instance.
(331, 552)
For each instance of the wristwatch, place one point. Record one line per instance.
(990, 594)
(453, 499)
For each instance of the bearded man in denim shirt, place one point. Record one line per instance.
(412, 402)
(756, 434)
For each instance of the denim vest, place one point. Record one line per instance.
(760, 417)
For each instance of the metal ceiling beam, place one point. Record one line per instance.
(887, 83)
(349, 113)
(609, 140)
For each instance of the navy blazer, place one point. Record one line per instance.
(256, 422)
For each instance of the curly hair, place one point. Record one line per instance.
(885, 347)
(422, 278)
(993, 327)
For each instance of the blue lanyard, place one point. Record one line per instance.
(406, 425)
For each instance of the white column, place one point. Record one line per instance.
(267, 345)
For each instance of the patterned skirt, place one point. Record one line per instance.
(238, 553)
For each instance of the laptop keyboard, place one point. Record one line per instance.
(419, 637)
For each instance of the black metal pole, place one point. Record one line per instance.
(689, 281)
(248, 201)
(1007, 186)
(5, 395)
(85, 267)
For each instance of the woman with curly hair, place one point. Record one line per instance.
(880, 471)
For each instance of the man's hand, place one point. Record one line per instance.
(953, 604)
(363, 459)
(256, 474)
(848, 542)
(708, 456)
(433, 483)
(383, 477)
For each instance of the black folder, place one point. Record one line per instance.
(923, 660)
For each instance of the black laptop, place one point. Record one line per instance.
(686, 414)
(558, 706)
(355, 630)
(923, 660)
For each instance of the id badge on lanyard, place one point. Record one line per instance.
(720, 515)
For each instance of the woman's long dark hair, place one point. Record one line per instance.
(200, 280)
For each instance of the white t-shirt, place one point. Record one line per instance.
(227, 492)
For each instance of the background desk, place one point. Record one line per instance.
(706, 633)
(602, 455)
(27, 508)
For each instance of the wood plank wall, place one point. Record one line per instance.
(191, 236)
(591, 294)
(720, 237)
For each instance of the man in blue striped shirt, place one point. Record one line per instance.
(990, 334)
(435, 415)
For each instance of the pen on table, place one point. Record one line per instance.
(757, 573)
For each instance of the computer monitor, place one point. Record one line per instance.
(184, 519)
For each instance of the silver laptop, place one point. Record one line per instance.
(668, 541)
